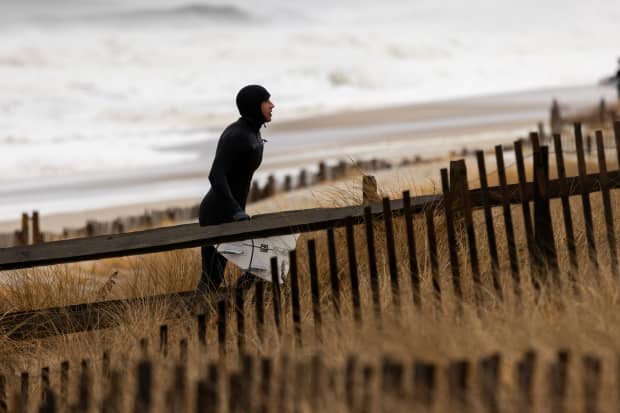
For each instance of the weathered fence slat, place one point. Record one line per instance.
(355, 288)
(163, 340)
(432, 254)
(391, 252)
(510, 236)
(315, 289)
(525, 208)
(372, 263)
(525, 370)
(490, 226)
(276, 296)
(333, 270)
(457, 375)
(585, 199)
(259, 306)
(591, 382)
(452, 245)
(558, 382)
(295, 306)
(489, 375)
(609, 219)
(411, 249)
(240, 316)
(424, 383)
(222, 313)
(566, 212)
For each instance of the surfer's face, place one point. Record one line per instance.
(266, 108)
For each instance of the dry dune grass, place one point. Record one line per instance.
(438, 331)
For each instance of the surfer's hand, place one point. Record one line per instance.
(240, 216)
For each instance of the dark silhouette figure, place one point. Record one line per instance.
(239, 153)
(614, 80)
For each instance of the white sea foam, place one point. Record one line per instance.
(92, 86)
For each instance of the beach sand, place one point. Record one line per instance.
(427, 129)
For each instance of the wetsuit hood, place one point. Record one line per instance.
(249, 100)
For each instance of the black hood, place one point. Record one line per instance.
(249, 101)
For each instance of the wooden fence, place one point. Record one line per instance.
(160, 381)
(454, 208)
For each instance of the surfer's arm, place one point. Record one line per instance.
(224, 159)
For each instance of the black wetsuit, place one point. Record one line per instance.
(239, 153)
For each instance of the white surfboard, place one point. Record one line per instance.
(254, 255)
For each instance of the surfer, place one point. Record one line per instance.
(239, 153)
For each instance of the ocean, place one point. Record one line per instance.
(90, 86)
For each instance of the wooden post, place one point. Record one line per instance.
(322, 174)
(589, 144)
(609, 219)
(454, 260)
(424, 383)
(369, 190)
(543, 224)
(411, 249)
(64, 384)
(392, 374)
(303, 179)
(525, 372)
(458, 171)
(534, 258)
(372, 263)
(84, 389)
(283, 384)
(246, 391)
(350, 382)
(566, 211)
(264, 400)
(25, 390)
(355, 291)
(183, 350)
(48, 405)
(163, 340)
(541, 131)
(510, 237)
(457, 380)
(585, 198)
(3, 396)
(333, 270)
(558, 382)
(213, 389)
(221, 325)
(275, 295)
(295, 306)
(432, 252)
(240, 315)
(368, 374)
(25, 233)
(288, 183)
(490, 226)
(391, 252)
(314, 289)
(592, 367)
(112, 401)
(202, 331)
(555, 118)
(201, 396)
(37, 237)
(259, 302)
(617, 140)
(489, 374)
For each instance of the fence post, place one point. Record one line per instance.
(411, 249)
(355, 290)
(392, 373)
(24, 238)
(295, 305)
(592, 367)
(489, 374)
(555, 118)
(533, 257)
(84, 388)
(259, 301)
(452, 246)
(524, 372)
(111, 403)
(424, 383)
(213, 389)
(609, 219)
(64, 383)
(276, 296)
(372, 263)
(202, 331)
(37, 237)
(25, 390)
(457, 380)
(333, 270)
(3, 396)
(543, 225)
(163, 340)
(369, 190)
(350, 382)
(314, 289)
(558, 382)
(391, 252)
(264, 400)
(221, 325)
(240, 316)
(585, 198)
(432, 252)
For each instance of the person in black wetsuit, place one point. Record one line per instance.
(239, 153)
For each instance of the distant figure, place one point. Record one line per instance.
(614, 80)
(239, 153)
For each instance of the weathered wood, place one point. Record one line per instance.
(355, 289)
(452, 245)
(617, 141)
(143, 393)
(64, 383)
(314, 289)
(264, 400)
(490, 226)
(3, 394)
(111, 402)
(372, 263)
(281, 223)
(276, 296)
(566, 211)
(350, 382)
(458, 169)
(391, 252)
(489, 377)
(392, 375)
(543, 224)
(533, 257)
(368, 393)
(240, 316)
(24, 391)
(609, 219)
(37, 237)
(591, 382)
(45, 383)
(524, 374)
(295, 306)
(259, 309)
(558, 382)
(411, 249)
(163, 340)
(222, 314)
(24, 235)
(213, 389)
(424, 383)
(585, 199)
(333, 270)
(457, 374)
(202, 330)
(183, 350)
(432, 252)
(510, 236)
